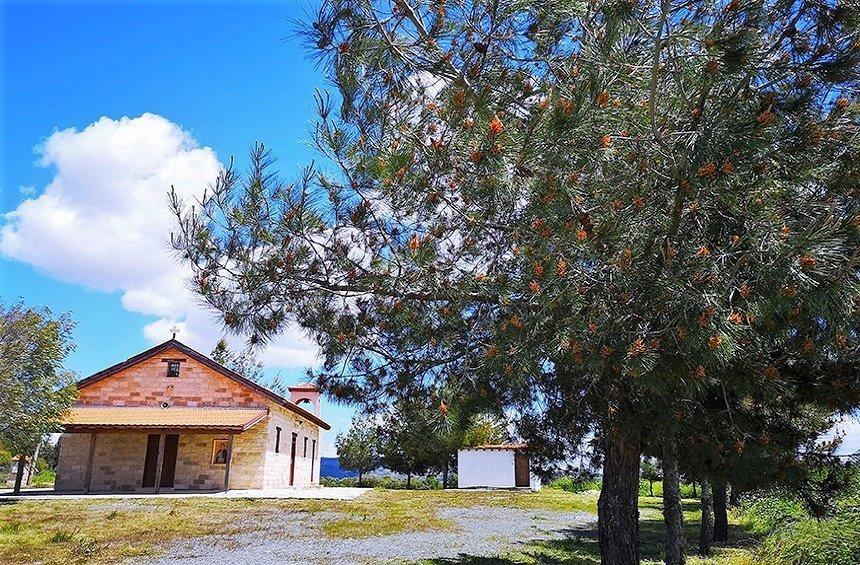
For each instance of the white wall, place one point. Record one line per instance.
(485, 468)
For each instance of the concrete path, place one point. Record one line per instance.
(321, 493)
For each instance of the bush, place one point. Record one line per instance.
(835, 541)
(387, 482)
(44, 478)
(574, 484)
(765, 511)
(793, 536)
(687, 491)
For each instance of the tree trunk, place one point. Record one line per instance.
(19, 476)
(706, 528)
(359, 478)
(617, 508)
(721, 518)
(409, 480)
(31, 471)
(695, 494)
(734, 497)
(650, 487)
(445, 476)
(673, 513)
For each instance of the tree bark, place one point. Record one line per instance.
(706, 527)
(409, 480)
(734, 497)
(31, 471)
(359, 478)
(721, 517)
(617, 507)
(445, 476)
(19, 476)
(695, 494)
(673, 513)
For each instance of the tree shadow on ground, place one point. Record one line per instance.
(579, 546)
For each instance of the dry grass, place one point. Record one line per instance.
(105, 530)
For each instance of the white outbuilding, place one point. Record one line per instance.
(495, 466)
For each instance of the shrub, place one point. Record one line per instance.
(44, 478)
(61, 536)
(385, 482)
(793, 536)
(574, 484)
(835, 541)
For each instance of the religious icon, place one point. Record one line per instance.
(219, 452)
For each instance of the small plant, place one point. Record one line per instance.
(112, 514)
(86, 548)
(62, 536)
(10, 528)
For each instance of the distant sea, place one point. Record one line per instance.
(330, 467)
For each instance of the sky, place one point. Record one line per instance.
(104, 107)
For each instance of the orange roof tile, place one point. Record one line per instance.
(182, 417)
(503, 446)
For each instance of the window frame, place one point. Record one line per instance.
(171, 363)
(278, 439)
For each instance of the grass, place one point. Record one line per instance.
(105, 530)
(769, 530)
(93, 530)
(582, 548)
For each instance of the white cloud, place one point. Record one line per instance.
(848, 428)
(103, 222)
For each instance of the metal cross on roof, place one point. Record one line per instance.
(174, 330)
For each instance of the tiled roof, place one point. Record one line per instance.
(174, 417)
(212, 365)
(502, 446)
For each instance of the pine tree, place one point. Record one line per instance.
(576, 207)
(245, 363)
(403, 445)
(358, 449)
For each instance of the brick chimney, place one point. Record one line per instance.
(303, 393)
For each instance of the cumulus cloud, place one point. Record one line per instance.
(103, 222)
(847, 428)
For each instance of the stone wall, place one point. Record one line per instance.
(146, 384)
(194, 467)
(118, 462)
(277, 465)
(72, 462)
(246, 465)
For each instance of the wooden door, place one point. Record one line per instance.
(168, 460)
(150, 464)
(521, 470)
(293, 459)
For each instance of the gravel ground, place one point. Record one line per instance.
(287, 538)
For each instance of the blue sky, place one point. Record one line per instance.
(198, 82)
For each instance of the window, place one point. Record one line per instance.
(305, 452)
(277, 440)
(173, 368)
